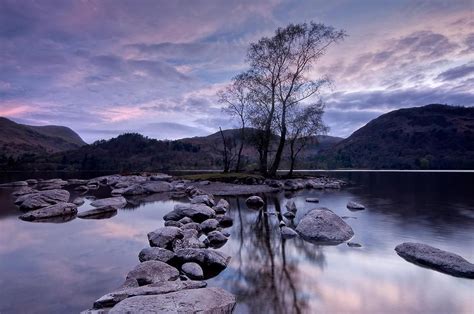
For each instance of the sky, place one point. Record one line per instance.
(111, 66)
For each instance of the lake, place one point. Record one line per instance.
(64, 267)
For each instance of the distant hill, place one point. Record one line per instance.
(19, 139)
(429, 137)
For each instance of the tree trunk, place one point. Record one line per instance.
(242, 137)
(226, 158)
(292, 158)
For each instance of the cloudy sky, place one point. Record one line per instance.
(108, 67)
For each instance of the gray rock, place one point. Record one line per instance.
(193, 270)
(78, 201)
(111, 299)
(103, 212)
(185, 220)
(76, 182)
(157, 186)
(289, 215)
(443, 261)
(192, 225)
(216, 239)
(355, 206)
(354, 244)
(254, 202)
(172, 223)
(163, 237)
(156, 254)
(197, 212)
(189, 240)
(291, 206)
(221, 207)
(287, 232)
(14, 184)
(204, 300)
(209, 225)
(212, 262)
(135, 189)
(323, 226)
(56, 210)
(205, 182)
(116, 201)
(24, 191)
(225, 221)
(312, 200)
(203, 199)
(150, 272)
(42, 199)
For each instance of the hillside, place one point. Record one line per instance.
(19, 139)
(429, 137)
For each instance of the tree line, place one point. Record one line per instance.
(278, 96)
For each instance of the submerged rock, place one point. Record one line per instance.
(355, 206)
(156, 254)
(204, 300)
(150, 272)
(116, 201)
(163, 237)
(354, 244)
(111, 299)
(103, 212)
(56, 210)
(312, 200)
(255, 202)
(192, 270)
(212, 262)
(42, 199)
(323, 226)
(436, 259)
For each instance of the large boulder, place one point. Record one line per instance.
(98, 213)
(325, 227)
(156, 254)
(112, 298)
(117, 201)
(42, 199)
(212, 262)
(157, 186)
(254, 202)
(197, 212)
(436, 259)
(163, 237)
(150, 272)
(204, 300)
(56, 210)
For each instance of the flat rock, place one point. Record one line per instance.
(42, 199)
(443, 261)
(150, 272)
(312, 200)
(111, 299)
(192, 270)
(212, 262)
(56, 210)
(103, 212)
(325, 227)
(204, 300)
(24, 191)
(163, 237)
(116, 201)
(355, 206)
(254, 202)
(197, 212)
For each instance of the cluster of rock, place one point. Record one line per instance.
(181, 255)
(319, 183)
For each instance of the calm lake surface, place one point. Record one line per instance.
(64, 267)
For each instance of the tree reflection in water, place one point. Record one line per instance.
(269, 279)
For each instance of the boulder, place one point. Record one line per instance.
(204, 300)
(224, 221)
(287, 232)
(116, 201)
(221, 207)
(103, 212)
(150, 272)
(112, 298)
(209, 225)
(197, 212)
(212, 262)
(42, 199)
(185, 220)
(355, 206)
(163, 237)
(192, 270)
(192, 226)
(189, 240)
(254, 202)
(312, 200)
(56, 210)
(156, 254)
(172, 223)
(157, 186)
(78, 201)
(325, 227)
(442, 261)
(203, 199)
(134, 189)
(216, 239)
(353, 244)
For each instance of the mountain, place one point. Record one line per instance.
(19, 139)
(430, 137)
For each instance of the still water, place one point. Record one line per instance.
(64, 267)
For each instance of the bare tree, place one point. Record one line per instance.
(228, 151)
(236, 98)
(303, 125)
